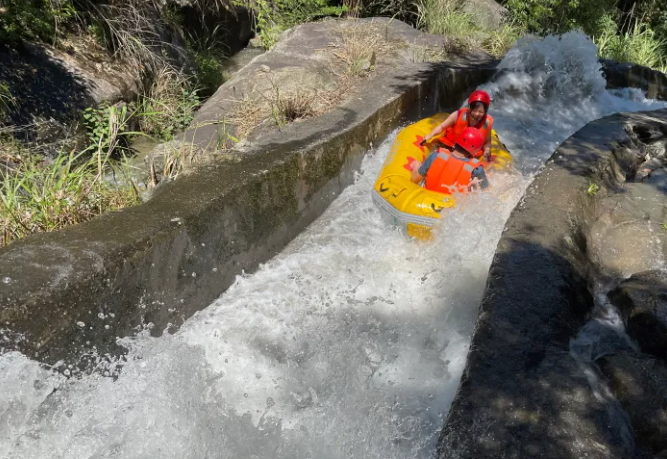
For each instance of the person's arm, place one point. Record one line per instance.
(419, 170)
(415, 176)
(479, 178)
(439, 129)
(487, 146)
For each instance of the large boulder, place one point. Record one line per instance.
(642, 299)
(53, 85)
(640, 385)
(627, 235)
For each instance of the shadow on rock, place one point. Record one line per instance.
(41, 87)
(522, 393)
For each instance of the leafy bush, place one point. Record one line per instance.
(639, 45)
(33, 19)
(560, 16)
(107, 128)
(636, 34)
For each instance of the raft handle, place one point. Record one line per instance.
(382, 190)
(436, 210)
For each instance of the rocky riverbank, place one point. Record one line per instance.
(594, 215)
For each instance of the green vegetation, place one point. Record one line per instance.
(7, 101)
(274, 16)
(168, 107)
(633, 32)
(593, 188)
(33, 19)
(448, 17)
(640, 45)
(40, 196)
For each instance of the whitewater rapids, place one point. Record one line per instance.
(348, 344)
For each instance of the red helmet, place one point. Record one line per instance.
(471, 140)
(480, 96)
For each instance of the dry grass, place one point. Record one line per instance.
(428, 54)
(131, 29)
(278, 107)
(363, 45)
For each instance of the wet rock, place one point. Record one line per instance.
(623, 75)
(658, 179)
(640, 385)
(642, 299)
(628, 158)
(625, 238)
(552, 414)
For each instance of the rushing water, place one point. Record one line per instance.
(349, 344)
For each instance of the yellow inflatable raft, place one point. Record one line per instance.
(411, 206)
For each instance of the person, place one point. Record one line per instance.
(476, 115)
(447, 171)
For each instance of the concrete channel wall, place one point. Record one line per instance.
(522, 394)
(64, 292)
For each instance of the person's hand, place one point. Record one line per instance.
(487, 156)
(425, 140)
(415, 165)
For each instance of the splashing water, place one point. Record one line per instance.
(349, 344)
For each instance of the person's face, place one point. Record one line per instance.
(477, 112)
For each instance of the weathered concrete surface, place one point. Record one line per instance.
(642, 299)
(164, 260)
(522, 395)
(639, 383)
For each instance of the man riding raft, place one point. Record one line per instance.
(468, 137)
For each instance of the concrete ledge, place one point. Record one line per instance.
(522, 394)
(68, 291)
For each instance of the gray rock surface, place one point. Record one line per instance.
(640, 385)
(642, 299)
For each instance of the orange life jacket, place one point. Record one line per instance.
(452, 133)
(449, 173)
